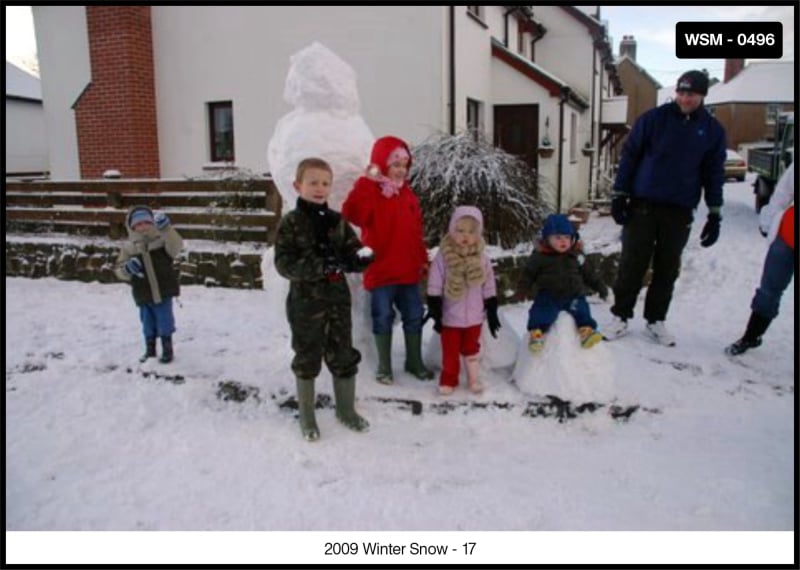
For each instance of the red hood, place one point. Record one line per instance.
(381, 150)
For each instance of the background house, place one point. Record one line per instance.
(748, 101)
(171, 91)
(26, 135)
(638, 85)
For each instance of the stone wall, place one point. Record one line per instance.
(96, 263)
(214, 269)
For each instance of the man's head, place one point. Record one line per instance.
(692, 86)
(313, 180)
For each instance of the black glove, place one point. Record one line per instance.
(434, 312)
(711, 230)
(490, 305)
(357, 263)
(621, 208)
(332, 268)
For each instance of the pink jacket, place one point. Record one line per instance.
(468, 310)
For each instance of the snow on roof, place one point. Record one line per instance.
(759, 82)
(20, 83)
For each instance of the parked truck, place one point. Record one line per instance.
(769, 160)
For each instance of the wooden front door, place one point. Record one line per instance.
(516, 131)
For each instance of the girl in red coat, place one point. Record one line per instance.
(386, 209)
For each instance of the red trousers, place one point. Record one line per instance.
(455, 342)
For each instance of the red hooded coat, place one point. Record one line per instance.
(391, 226)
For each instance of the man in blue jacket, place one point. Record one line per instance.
(673, 153)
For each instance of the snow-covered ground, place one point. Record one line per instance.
(94, 442)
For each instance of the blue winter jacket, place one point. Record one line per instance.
(668, 157)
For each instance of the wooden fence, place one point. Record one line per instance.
(221, 210)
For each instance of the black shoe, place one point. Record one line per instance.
(742, 345)
(150, 349)
(167, 355)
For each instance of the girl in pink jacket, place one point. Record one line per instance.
(461, 291)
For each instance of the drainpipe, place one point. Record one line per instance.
(506, 14)
(595, 124)
(452, 78)
(565, 90)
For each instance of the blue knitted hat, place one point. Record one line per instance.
(557, 224)
(140, 214)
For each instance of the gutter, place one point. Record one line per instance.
(452, 71)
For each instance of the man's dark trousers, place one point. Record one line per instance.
(656, 232)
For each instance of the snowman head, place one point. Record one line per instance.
(319, 80)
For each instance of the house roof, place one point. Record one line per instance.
(639, 68)
(22, 85)
(552, 83)
(759, 82)
(591, 23)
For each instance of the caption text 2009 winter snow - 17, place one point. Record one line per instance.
(376, 548)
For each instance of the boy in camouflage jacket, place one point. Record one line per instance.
(314, 248)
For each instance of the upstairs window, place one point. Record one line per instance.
(220, 123)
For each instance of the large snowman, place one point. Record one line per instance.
(326, 124)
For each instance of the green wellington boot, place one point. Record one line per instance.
(414, 363)
(305, 407)
(344, 390)
(384, 344)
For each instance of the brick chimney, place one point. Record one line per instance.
(628, 47)
(732, 68)
(116, 114)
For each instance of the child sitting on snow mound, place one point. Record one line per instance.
(314, 248)
(560, 280)
(461, 290)
(386, 209)
(145, 261)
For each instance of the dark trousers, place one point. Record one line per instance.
(546, 308)
(322, 334)
(656, 233)
(780, 266)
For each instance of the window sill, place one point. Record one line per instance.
(220, 166)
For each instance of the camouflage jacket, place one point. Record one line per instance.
(311, 238)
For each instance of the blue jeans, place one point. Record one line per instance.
(545, 309)
(157, 319)
(407, 299)
(779, 267)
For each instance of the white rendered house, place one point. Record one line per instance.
(172, 91)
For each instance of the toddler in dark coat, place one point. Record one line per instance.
(556, 273)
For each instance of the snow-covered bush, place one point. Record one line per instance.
(464, 169)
